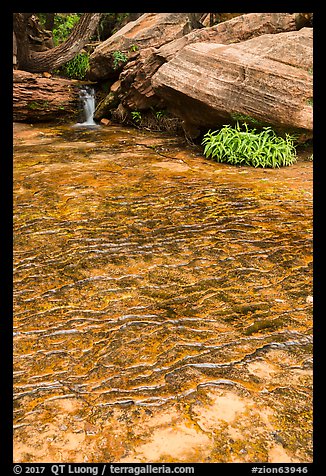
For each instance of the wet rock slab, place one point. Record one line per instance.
(161, 309)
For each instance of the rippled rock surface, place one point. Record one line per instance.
(162, 302)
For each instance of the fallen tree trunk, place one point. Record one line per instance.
(40, 99)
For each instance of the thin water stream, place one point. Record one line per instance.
(162, 302)
(87, 97)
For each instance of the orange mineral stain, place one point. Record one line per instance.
(162, 302)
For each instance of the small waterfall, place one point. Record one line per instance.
(87, 96)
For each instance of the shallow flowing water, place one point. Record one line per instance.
(162, 302)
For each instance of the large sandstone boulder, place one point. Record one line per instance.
(149, 30)
(136, 86)
(267, 79)
(135, 91)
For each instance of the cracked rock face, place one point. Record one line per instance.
(268, 78)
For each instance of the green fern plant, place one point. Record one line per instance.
(118, 59)
(159, 114)
(242, 146)
(137, 117)
(134, 47)
(77, 67)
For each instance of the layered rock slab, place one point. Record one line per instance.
(39, 99)
(240, 28)
(267, 79)
(135, 91)
(149, 30)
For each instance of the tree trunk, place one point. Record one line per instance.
(195, 20)
(134, 16)
(49, 60)
(20, 30)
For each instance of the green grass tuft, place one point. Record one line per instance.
(244, 146)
